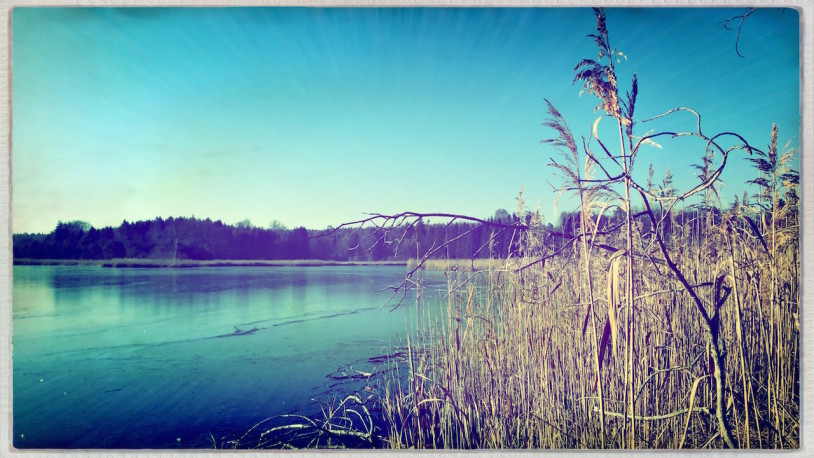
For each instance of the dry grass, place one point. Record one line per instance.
(693, 345)
(706, 356)
(508, 363)
(458, 264)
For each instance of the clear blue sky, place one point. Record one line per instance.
(312, 116)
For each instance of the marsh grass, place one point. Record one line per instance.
(695, 343)
(443, 265)
(508, 361)
(343, 423)
(699, 346)
(515, 354)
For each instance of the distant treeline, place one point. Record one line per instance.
(204, 239)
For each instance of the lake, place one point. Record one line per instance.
(171, 358)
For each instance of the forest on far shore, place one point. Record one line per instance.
(204, 239)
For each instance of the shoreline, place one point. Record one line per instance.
(188, 263)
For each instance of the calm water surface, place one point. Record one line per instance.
(150, 358)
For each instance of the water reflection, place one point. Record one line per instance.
(133, 358)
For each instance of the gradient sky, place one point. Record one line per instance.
(312, 116)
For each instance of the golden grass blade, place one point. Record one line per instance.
(603, 346)
(689, 412)
(613, 294)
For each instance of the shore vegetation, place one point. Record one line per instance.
(654, 318)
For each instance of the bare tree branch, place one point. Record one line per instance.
(742, 18)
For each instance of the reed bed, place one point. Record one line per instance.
(507, 362)
(672, 326)
(444, 265)
(654, 318)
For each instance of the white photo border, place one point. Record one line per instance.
(804, 7)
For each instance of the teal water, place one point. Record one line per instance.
(162, 358)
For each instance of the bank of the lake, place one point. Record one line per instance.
(188, 263)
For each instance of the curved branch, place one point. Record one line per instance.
(665, 416)
(403, 216)
(743, 18)
(666, 113)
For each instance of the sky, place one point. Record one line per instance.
(315, 116)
